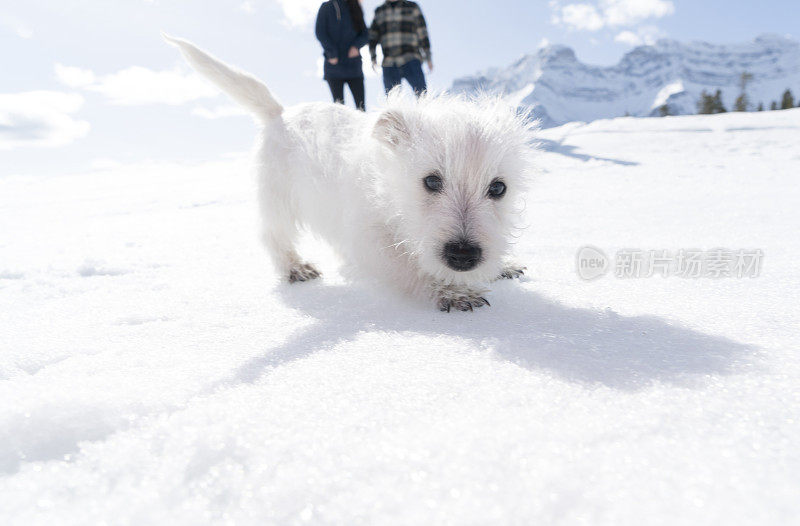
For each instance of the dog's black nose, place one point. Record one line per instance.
(462, 255)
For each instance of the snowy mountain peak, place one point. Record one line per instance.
(556, 52)
(559, 88)
(774, 39)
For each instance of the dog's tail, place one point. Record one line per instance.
(242, 87)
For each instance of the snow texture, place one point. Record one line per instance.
(153, 370)
(558, 88)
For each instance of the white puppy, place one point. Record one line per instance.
(423, 195)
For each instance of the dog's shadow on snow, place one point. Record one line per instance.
(571, 151)
(579, 345)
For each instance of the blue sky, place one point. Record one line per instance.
(90, 83)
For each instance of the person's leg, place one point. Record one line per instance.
(391, 77)
(357, 89)
(415, 76)
(337, 90)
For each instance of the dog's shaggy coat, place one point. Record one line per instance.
(423, 195)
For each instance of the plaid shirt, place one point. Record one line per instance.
(400, 29)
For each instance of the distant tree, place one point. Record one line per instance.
(710, 104)
(760, 106)
(718, 106)
(705, 106)
(742, 101)
(664, 110)
(787, 101)
(773, 106)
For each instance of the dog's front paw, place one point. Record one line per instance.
(303, 272)
(460, 298)
(512, 272)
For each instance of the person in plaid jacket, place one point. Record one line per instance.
(400, 29)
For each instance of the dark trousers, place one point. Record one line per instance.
(356, 88)
(412, 72)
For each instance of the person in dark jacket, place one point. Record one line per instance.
(342, 32)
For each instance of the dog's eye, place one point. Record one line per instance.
(497, 189)
(433, 183)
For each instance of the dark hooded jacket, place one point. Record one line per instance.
(337, 33)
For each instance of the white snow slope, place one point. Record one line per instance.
(559, 88)
(153, 371)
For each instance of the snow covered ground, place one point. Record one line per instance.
(152, 370)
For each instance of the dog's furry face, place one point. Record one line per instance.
(455, 173)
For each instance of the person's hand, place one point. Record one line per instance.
(353, 53)
(430, 66)
(374, 65)
(333, 61)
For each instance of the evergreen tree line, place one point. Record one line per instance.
(710, 104)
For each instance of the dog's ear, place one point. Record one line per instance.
(391, 129)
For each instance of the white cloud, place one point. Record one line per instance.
(629, 12)
(40, 118)
(628, 37)
(582, 16)
(74, 77)
(137, 85)
(16, 26)
(299, 12)
(643, 35)
(609, 13)
(218, 112)
(247, 7)
(24, 32)
(104, 163)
